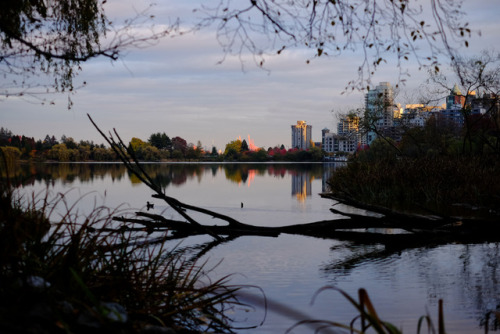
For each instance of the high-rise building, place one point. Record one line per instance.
(379, 104)
(453, 115)
(455, 101)
(301, 135)
(329, 141)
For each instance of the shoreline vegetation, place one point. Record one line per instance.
(72, 279)
(73, 274)
(458, 186)
(158, 148)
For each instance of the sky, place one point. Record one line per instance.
(180, 87)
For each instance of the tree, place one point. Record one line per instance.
(260, 155)
(150, 153)
(69, 142)
(160, 141)
(59, 152)
(199, 149)
(316, 153)
(179, 144)
(244, 146)
(479, 79)
(193, 152)
(233, 149)
(52, 38)
(5, 135)
(380, 28)
(136, 143)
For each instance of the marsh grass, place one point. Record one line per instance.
(58, 269)
(444, 185)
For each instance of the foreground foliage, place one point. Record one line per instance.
(76, 274)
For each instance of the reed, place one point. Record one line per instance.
(433, 184)
(367, 319)
(69, 272)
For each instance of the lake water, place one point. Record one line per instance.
(290, 269)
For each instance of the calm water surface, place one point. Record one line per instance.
(289, 269)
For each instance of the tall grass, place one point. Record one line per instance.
(367, 319)
(433, 184)
(58, 269)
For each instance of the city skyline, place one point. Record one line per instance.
(179, 87)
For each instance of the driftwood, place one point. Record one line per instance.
(413, 230)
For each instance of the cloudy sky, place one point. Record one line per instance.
(179, 87)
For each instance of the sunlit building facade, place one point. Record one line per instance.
(301, 135)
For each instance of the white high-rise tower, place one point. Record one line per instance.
(301, 135)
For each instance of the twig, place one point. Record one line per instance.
(138, 171)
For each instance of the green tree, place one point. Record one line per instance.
(160, 141)
(84, 151)
(234, 146)
(191, 152)
(316, 153)
(233, 150)
(11, 156)
(69, 142)
(177, 154)
(198, 149)
(5, 135)
(136, 143)
(260, 155)
(380, 150)
(244, 146)
(103, 154)
(59, 152)
(150, 153)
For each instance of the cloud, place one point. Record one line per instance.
(180, 87)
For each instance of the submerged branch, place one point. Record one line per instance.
(416, 229)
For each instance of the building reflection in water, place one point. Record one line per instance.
(328, 169)
(301, 185)
(302, 180)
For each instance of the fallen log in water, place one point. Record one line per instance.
(410, 230)
(465, 227)
(354, 227)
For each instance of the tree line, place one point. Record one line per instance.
(158, 147)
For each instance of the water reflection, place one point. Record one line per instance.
(467, 274)
(167, 175)
(397, 274)
(301, 186)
